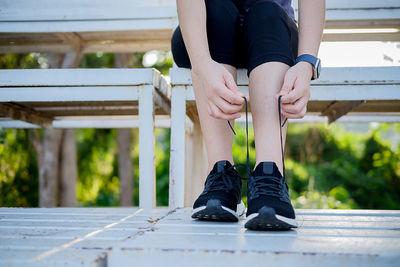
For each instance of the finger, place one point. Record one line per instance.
(295, 108)
(219, 114)
(293, 95)
(299, 115)
(227, 108)
(230, 96)
(230, 82)
(288, 84)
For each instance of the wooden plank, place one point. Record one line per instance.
(41, 48)
(147, 174)
(357, 4)
(196, 163)
(73, 39)
(162, 96)
(89, 236)
(103, 122)
(128, 46)
(89, 26)
(361, 37)
(78, 77)
(331, 244)
(329, 76)
(337, 109)
(81, 10)
(340, 92)
(18, 112)
(67, 94)
(67, 236)
(177, 150)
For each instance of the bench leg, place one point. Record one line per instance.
(177, 156)
(196, 162)
(146, 148)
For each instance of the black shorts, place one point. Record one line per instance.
(244, 38)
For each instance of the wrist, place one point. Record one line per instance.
(313, 61)
(308, 68)
(201, 63)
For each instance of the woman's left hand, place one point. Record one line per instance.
(296, 90)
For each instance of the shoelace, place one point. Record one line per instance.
(215, 184)
(247, 137)
(271, 188)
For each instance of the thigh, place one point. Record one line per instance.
(222, 35)
(270, 35)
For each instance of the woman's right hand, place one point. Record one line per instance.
(225, 101)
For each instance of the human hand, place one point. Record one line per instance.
(225, 101)
(296, 91)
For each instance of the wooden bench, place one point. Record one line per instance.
(44, 97)
(338, 91)
(85, 26)
(70, 29)
(361, 20)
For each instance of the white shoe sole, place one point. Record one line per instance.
(214, 211)
(267, 219)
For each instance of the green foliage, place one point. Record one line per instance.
(98, 182)
(334, 168)
(21, 61)
(19, 180)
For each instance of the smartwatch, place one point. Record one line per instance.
(314, 61)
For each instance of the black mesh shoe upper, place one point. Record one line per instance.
(267, 187)
(223, 183)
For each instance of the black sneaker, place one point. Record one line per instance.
(268, 201)
(221, 199)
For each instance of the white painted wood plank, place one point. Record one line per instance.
(20, 10)
(53, 10)
(177, 148)
(146, 148)
(103, 122)
(78, 77)
(68, 236)
(345, 237)
(69, 257)
(286, 244)
(340, 92)
(355, 92)
(168, 257)
(357, 4)
(74, 211)
(329, 76)
(179, 236)
(364, 117)
(67, 94)
(88, 26)
(363, 14)
(122, 211)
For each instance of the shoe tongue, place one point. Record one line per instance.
(267, 168)
(221, 165)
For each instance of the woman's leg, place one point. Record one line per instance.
(216, 132)
(265, 82)
(271, 51)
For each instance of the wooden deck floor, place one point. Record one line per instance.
(129, 236)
